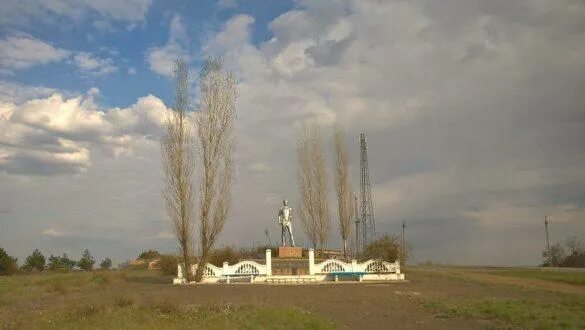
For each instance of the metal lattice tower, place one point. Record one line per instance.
(366, 208)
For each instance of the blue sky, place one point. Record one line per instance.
(473, 111)
(127, 44)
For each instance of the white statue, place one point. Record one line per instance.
(284, 220)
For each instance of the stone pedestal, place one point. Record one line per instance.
(290, 252)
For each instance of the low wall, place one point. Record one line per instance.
(252, 271)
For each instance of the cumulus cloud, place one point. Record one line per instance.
(23, 52)
(22, 12)
(94, 66)
(474, 120)
(56, 134)
(161, 59)
(18, 93)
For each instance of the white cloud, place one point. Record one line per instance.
(17, 93)
(22, 52)
(162, 59)
(94, 66)
(458, 110)
(55, 134)
(53, 232)
(22, 12)
(131, 71)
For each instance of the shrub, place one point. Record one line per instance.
(149, 255)
(386, 248)
(8, 265)
(35, 261)
(61, 263)
(86, 262)
(106, 263)
(168, 264)
(221, 255)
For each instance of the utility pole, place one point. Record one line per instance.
(403, 243)
(547, 240)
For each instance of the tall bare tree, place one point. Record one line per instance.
(178, 164)
(342, 185)
(312, 180)
(215, 123)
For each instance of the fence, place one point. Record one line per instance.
(330, 269)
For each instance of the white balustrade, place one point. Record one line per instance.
(369, 270)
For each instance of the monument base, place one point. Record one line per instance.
(290, 252)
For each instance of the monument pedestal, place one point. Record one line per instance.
(290, 252)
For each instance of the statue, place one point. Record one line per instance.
(284, 220)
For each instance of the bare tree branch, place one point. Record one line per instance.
(342, 185)
(178, 163)
(312, 180)
(215, 123)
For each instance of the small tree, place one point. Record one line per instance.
(8, 265)
(106, 263)
(386, 248)
(86, 262)
(35, 261)
(149, 255)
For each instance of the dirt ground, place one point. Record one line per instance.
(349, 304)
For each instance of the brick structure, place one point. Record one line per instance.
(290, 252)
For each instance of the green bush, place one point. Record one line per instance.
(106, 263)
(62, 263)
(35, 261)
(86, 262)
(149, 255)
(8, 265)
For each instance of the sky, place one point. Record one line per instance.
(474, 112)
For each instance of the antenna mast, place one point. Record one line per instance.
(366, 207)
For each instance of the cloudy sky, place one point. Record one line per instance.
(474, 111)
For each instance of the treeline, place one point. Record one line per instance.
(570, 253)
(36, 262)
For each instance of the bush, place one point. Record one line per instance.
(218, 256)
(168, 264)
(86, 262)
(386, 248)
(106, 263)
(36, 261)
(569, 254)
(149, 255)
(62, 263)
(8, 265)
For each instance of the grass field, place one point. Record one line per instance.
(434, 297)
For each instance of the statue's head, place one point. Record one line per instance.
(285, 202)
